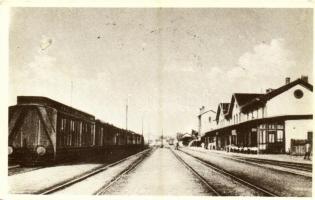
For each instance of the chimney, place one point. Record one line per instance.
(304, 78)
(269, 90)
(287, 80)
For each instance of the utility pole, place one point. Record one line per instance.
(199, 120)
(71, 91)
(127, 114)
(142, 127)
(142, 140)
(162, 138)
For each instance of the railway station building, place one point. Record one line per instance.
(271, 122)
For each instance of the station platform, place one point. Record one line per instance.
(273, 157)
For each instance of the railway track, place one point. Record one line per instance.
(104, 189)
(238, 179)
(297, 166)
(210, 188)
(304, 167)
(84, 176)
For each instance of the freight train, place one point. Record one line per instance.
(42, 130)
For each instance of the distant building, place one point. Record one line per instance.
(264, 123)
(186, 139)
(208, 122)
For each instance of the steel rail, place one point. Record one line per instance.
(291, 165)
(234, 177)
(194, 172)
(105, 188)
(303, 167)
(72, 181)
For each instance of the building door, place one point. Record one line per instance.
(253, 139)
(310, 136)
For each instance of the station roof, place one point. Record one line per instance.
(254, 122)
(186, 135)
(241, 99)
(224, 107)
(263, 98)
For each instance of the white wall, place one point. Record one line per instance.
(296, 129)
(287, 104)
(206, 125)
(235, 111)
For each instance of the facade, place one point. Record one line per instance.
(208, 121)
(264, 123)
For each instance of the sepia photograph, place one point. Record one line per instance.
(160, 101)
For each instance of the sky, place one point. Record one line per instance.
(165, 63)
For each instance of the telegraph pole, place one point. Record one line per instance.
(162, 138)
(142, 126)
(199, 120)
(127, 114)
(71, 91)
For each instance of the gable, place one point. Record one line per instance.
(240, 99)
(222, 111)
(261, 100)
(295, 101)
(235, 110)
(218, 113)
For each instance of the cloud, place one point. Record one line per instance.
(265, 66)
(267, 60)
(42, 66)
(256, 68)
(42, 61)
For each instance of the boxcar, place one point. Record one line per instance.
(43, 130)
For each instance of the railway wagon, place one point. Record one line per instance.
(41, 129)
(44, 130)
(113, 140)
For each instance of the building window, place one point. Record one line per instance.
(298, 94)
(257, 112)
(254, 114)
(233, 139)
(72, 125)
(262, 136)
(271, 137)
(62, 124)
(279, 135)
(310, 135)
(262, 139)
